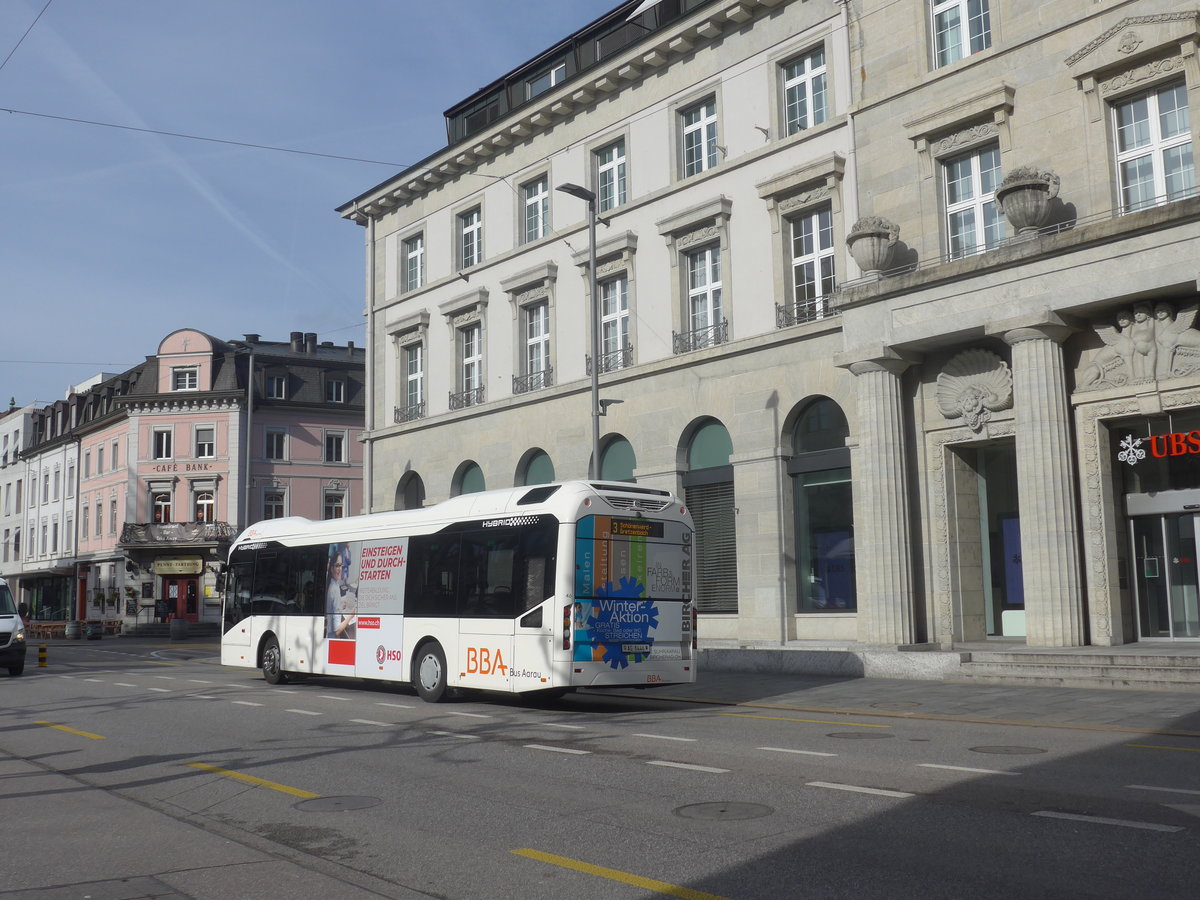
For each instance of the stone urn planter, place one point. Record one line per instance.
(871, 242)
(1024, 197)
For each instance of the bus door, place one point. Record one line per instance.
(486, 609)
(235, 641)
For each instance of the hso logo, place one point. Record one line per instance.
(383, 654)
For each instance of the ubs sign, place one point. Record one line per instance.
(1160, 446)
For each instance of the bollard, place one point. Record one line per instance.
(41, 656)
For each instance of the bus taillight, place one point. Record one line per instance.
(566, 632)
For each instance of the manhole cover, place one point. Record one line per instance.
(1008, 751)
(896, 704)
(336, 804)
(727, 811)
(859, 735)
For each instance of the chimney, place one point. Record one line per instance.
(297, 341)
(310, 342)
(252, 338)
(350, 349)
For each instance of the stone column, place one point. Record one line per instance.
(1046, 494)
(882, 534)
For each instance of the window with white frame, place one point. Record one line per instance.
(812, 262)
(206, 505)
(99, 518)
(99, 460)
(335, 446)
(185, 378)
(276, 387)
(335, 391)
(536, 195)
(704, 295)
(160, 503)
(57, 483)
(87, 464)
(414, 376)
(470, 238)
(275, 447)
(960, 28)
(545, 80)
(115, 454)
(70, 485)
(973, 220)
(45, 487)
(614, 323)
(610, 176)
(83, 523)
(1154, 147)
(804, 91)
(335, 505)
(205, 441)
(273, 505)
(470, 353)
(161, 447)
(699, 124)
(112, 516)
(54, 534)
(414, 262)
(68, 533)
(537, 338)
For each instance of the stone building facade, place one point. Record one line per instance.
(913, 333)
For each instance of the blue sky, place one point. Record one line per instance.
(111, 239)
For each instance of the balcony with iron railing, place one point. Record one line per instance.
(534, 381)
(700, 338)
(612, 362)
(409, 413)
(808, 310)
(469, 397)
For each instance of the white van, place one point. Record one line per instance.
(12, 633)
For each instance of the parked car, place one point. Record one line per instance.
(12, 633)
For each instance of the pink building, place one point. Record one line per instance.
(167, 476)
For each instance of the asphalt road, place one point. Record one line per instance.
(138, 770)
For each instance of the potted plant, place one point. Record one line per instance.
(1024, 197)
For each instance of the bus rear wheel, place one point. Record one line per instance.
(429, 672)
(272, 663)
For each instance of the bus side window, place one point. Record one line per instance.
(537, 558)
(237, 590)
(431, 588)
(306, 574)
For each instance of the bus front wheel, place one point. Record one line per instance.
(272, 663)
(429, 672)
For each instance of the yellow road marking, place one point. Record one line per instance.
(155, 662)
(809, 721)
(250, 779)
(86, 734)
(1157, 747)
(649, 884)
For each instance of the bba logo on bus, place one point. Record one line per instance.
(384, 655)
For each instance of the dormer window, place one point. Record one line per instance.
(545, 80)
(185, 378)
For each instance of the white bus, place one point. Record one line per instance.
(542, 588)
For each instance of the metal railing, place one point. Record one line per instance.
(534, 381)
(612, 362)
(789, 314)
(463, 399)
(700, 338)
(409, 413)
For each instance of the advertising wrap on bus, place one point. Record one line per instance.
(631, 576)
(364, 602)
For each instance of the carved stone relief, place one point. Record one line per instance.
(971, 135)
(1145, 343)
(972, 386)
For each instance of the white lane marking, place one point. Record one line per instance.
(160, 690)
(454, 734)
(95, 680)
(1100, 820)
(371, 722)
(558, 749)
(280, 690)
(202, 696)
(451, 712)
(880, 792)
(561, 725)
(800, 752)
(665, 737)
(198, 681)
(244, 703)
(124, 684)
(166, 677)
(966, 769)
(304, 712)
(396, 705)
(1147, 787)
(331, 697)
(675, 765)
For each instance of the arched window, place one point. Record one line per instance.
(161, 501)
(617, 460)
(708, 492)
(823, 501)
(539, 469)
(469, 479)
(205, 506)
(410, 492)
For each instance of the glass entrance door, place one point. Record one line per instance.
(1165, 574)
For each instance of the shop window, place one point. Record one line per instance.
(708, 493)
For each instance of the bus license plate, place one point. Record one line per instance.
(635, 648)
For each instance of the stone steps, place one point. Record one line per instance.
(1161, 672)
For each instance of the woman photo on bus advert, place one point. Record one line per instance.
(340, 598)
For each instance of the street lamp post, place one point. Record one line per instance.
(583, 193)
